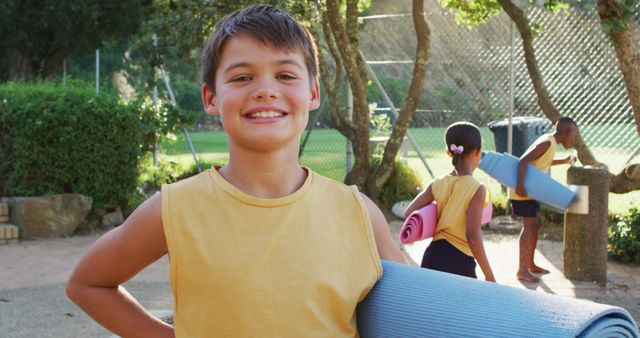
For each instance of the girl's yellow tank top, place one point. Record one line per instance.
(452, 195)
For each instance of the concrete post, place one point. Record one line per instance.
(585, 235)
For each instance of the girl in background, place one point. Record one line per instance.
(460, 197)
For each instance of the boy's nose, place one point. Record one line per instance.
(265, 93)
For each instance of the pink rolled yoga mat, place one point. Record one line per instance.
(421, 224)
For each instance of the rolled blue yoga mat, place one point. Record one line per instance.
(415, 302)
(540, 186)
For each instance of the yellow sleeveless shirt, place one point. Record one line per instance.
(543, 162)
(242, 266)
(452, 195)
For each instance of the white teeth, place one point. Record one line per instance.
(265, 114)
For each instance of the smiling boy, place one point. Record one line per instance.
(261, 246)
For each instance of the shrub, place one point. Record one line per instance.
(500, 204)
(403, 184)
(67, 140)
(160, 122)
(624, 237)
(551, 217)
(152, 177)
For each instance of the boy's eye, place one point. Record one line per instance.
(241, 78)
(286, 77)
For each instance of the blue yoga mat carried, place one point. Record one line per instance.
(540, 186)
(415, 302)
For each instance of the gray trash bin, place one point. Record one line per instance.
(526, 129)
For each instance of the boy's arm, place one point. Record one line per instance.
(474, 234)
(387, 249)
(423, 198)
(566, 160)
(523, 166)
(117, 256)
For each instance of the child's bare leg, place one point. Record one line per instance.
(526, 236)
(534, 244)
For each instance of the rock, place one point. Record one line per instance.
(505, 223)
(8, 234)
(399, 208)
(48, 216)
(4, 209)
(114, 218)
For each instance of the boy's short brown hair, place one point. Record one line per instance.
(266, 23)
(565, 121)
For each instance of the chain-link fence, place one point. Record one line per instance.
(469, 79)
(473, 75)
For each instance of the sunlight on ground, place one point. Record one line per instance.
(503, 257)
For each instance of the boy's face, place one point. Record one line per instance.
(569, 139)
(263, 95)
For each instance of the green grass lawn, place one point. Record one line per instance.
(325, 154)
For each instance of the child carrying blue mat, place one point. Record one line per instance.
(503, 168)
(414, 302)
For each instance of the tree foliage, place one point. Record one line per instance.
(617, 16)
(179, 29)
(37, 36)
(476, 12)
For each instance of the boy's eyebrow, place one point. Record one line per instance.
(280, 62)
(290, 62)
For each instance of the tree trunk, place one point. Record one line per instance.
(622, 31)
(377, 179)
(625, 181)
(345, 34)
(627, 50)
(51, 64)
(22, 68)
(346, 37)
(19, 67)
(521, 21)
(333, 82)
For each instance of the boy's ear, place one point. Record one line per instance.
(208, 100)
(315, 95)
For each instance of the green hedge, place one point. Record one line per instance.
(624, 237)
(67, 140)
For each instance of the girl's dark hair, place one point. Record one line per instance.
(465, 134)
(266, 23)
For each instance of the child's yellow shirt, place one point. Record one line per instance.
(543, 162)
(452, 194)
(242, 266)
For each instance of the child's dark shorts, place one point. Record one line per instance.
(442, 256)
(525, 208)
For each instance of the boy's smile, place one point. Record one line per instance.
(263, 95)
(264, 114)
